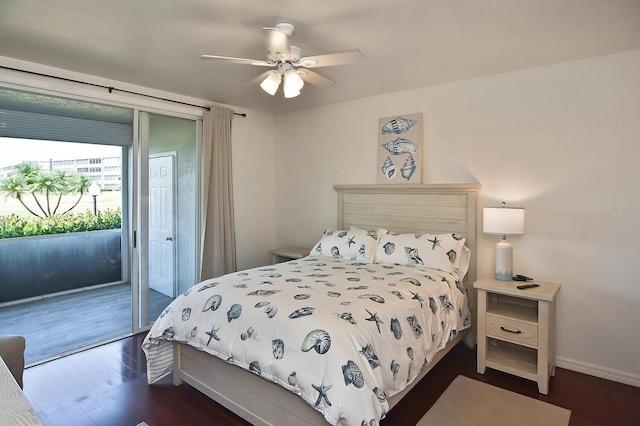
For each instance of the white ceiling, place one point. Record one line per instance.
(407, 43)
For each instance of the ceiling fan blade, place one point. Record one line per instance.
(259, 79)
(330, 59)
(277, 41)
(314, 78)
(232, 60)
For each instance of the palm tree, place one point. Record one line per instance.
(79, 184)
(30, 172)
(63, 177)
(47, 183)
(16, 187)
(30, 179)
(28, 169)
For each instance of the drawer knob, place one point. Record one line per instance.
(510, 331)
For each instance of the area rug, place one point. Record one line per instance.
(469, 402)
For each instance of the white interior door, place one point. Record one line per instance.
(161, 224)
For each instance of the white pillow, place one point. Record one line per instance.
(437, 251)
(355, 244)
(465, 260)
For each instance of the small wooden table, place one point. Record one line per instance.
(284, 254)
(516, 329)
(15, 408)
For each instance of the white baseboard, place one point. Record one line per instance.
(598, 371)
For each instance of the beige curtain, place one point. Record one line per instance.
(218, 255)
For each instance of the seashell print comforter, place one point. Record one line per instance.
(342, 335)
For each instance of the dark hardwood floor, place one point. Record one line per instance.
(107, 385)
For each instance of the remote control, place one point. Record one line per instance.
(526, 286)
(519, 277)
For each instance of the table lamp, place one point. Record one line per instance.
(503, 221)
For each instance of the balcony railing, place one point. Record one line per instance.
(43, 265)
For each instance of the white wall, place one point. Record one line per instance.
(563, 141)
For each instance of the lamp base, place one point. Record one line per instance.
(504, 261)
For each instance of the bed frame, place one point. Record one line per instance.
(432, 208)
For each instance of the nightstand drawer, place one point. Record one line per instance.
(510, 330)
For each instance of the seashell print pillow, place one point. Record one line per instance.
(356, 244)
(436, 251)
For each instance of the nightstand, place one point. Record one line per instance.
(284, 254)
(516, 329)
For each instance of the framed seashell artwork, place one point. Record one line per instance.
(400, 149)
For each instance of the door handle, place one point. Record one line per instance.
(169, 239)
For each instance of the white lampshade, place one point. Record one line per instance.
(292, 84)
(503, 221)
(271, 83)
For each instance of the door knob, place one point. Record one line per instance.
(169, 238)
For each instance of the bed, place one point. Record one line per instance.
(331, 308)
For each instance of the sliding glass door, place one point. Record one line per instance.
(146, 169)
(167, 211)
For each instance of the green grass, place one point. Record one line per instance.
(106, 200)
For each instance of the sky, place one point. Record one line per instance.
(15, 151)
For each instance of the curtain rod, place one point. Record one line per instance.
(111, 89)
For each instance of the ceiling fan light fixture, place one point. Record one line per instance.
(291, 93)
(271, 83)
(291, 66)
(292, 84)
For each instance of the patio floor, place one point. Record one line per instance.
(59, 325)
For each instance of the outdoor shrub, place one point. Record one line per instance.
(14, 226)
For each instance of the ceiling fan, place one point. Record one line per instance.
(291, 66)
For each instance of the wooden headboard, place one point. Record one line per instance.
(428, 208)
